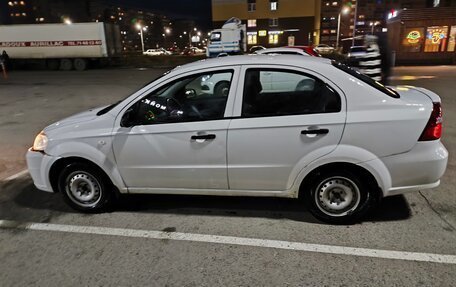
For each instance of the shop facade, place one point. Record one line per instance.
(423, 36)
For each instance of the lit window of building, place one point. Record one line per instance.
(251, 23)
(10, 3)
(333, 31)
(452, 40)
(274, 5)
(252, 38)
(334, 3)
(273, 38)
(22, 3)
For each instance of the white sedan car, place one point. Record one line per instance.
(324, 49)
(288, 126)
(156, 52)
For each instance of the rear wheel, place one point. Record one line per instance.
(80, 64)
(339, 197)
(66, 64)
(85, 188)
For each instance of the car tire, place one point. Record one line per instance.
(222, 89)
(85, 188)
(339, 197)
(66, 65)
(80, 64)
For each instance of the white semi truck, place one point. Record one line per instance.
(230, 39)
(61, 46)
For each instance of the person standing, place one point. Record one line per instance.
(371, 64)
(4, 63)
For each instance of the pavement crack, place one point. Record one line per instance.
(453, 228)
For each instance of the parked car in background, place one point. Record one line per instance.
(157, 52)
(308, 49)
(282, 126)
(357, 52)
(253, 49)
(193, 51)
(282, 51)
(324, 49)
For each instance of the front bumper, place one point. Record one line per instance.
(39, 165)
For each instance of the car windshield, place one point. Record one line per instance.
(366, 79)
(216, 36)
(111, 106)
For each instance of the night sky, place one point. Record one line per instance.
(198, 10)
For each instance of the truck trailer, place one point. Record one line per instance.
(61, 46)
(230, 39)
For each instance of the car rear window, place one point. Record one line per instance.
(366, 79)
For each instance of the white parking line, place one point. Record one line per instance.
(219, 239)
(17, 175)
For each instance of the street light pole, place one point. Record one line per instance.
(354, 23)
(343, 11)
(140, 28)
(142, 40)
(338, 30)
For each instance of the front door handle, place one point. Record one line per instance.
(203, 137)
(315, 132)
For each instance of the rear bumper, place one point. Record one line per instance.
(39, 164)
(420, 168)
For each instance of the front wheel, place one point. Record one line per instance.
(84, 188)
(339, 197)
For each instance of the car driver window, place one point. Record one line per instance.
(196, 98)
(269, 92)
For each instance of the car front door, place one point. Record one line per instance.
(281, 129)
(175, 136)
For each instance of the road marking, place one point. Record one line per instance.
(231, 240)
(17, 175)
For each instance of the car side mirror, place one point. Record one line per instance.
(128, 118)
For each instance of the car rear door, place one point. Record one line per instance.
(277, 132)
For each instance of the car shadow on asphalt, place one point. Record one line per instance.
(26, 196)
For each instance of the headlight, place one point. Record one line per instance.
(40, 142)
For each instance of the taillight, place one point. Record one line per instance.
(433, 130)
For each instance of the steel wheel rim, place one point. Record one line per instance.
(83, 189)
(337, 196)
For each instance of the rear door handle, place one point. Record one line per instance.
(315, 132)
(203, 137)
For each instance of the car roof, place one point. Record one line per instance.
(281, 50)
(274, 59)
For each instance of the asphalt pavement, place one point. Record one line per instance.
(153, 240)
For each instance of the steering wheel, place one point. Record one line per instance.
(174, 107)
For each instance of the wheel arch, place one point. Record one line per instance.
(364, 173)
(60, 164)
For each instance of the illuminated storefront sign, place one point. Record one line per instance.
(413, 37)
(436, 39)
(436, 35)
(262, 33)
